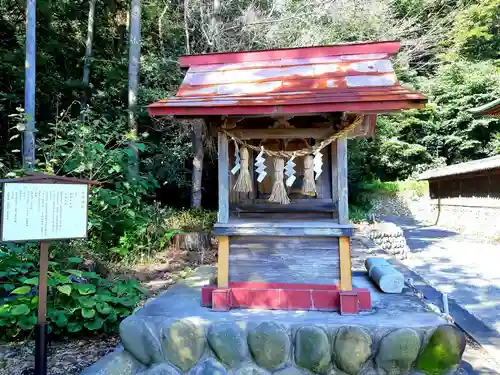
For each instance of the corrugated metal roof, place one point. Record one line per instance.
(492, 162)
(354, 77)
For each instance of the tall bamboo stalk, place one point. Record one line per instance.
(88, 51)
(133, 81)
(30, 87)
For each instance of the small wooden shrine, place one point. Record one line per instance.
(283, 118)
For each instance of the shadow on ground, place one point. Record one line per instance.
(462, 267)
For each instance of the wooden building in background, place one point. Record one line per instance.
(473, 179)
(491, 109)
(281, 102)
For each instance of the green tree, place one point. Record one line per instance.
(476, 31)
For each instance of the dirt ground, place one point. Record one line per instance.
(70, 357)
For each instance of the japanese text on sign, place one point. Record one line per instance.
(44, 211)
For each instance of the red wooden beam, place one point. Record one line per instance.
(367, 107)
(390, 47)
(281, 296)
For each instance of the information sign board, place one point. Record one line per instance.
(43, 211)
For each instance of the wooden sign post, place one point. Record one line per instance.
(43, 208)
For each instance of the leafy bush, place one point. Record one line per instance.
(361, 204)
(94, 148)
(393, 187)
(151, 233)
(191, 220)
(358, 213)
(155, 226)
(79, 301)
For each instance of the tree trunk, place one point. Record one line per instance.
(133, 82)
(198, 153)
(186, 26)
(29, 88)
(88, 52)
(215, 26)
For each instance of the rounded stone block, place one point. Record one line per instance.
(290, 371)
(372, 262)
(397, 351)
(312, 349)
(209, 367)
(269, 344)
(352, 349)
(388, 279)
(443, 351)
(161, 369)
(140, 337)
(184, 343)
(228, 341)
(116, 363)
(251, 370)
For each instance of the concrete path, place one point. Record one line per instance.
(465, 268)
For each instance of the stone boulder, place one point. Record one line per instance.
(312, 349)
(184, 343)
(390, 238)
(161, 369)
(228, 341)
(290, 371)
(117, 363)
(398, 350)
(352, 349)
(269, 344)
(388, 279)
(140, 337)
(251, 370)
(375, 261)
(386, 229)
(209, 367)
(443, 351)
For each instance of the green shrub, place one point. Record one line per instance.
(358, 213)
(78, 301)
(393, 187)
(154, 228)
(150, 234)
(191, 220)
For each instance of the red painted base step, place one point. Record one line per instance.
(282, 296)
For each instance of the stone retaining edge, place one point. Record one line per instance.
(155, 346)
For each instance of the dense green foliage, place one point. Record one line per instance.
(450, 51)
(78, 300)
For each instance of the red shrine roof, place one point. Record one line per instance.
(347, 77)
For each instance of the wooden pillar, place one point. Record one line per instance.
(223, 215)
(334, 168)
(223, 262)
(343, 204)
(345, 264)
(42, 282)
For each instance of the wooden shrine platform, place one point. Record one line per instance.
(285, 264)
(278, 227)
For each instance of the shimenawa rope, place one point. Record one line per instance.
(304, 151)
